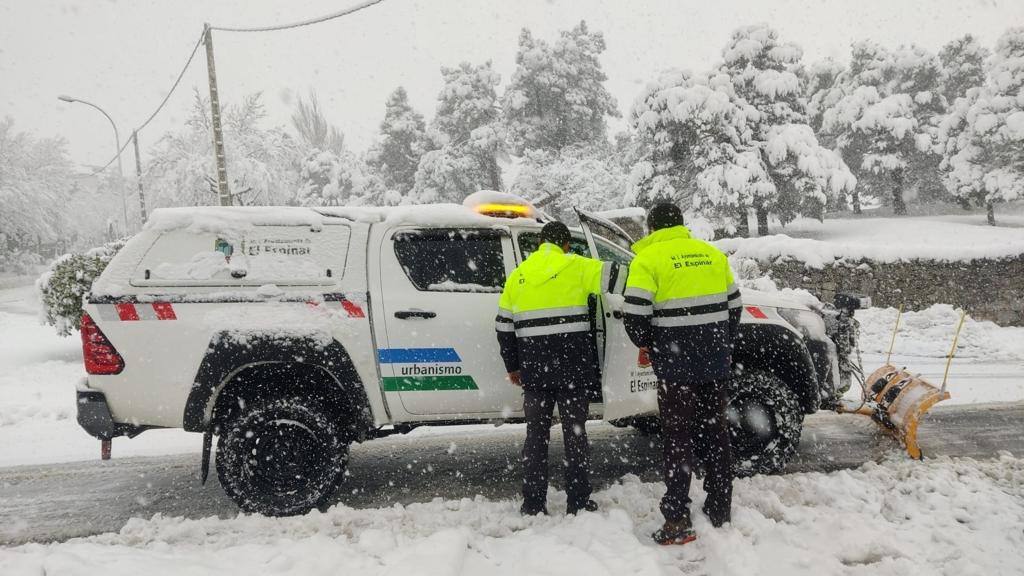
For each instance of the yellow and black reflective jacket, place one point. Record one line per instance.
(682, 302)
(544, 323)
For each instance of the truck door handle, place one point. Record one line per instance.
(406, 314)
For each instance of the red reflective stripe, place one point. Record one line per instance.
(164, 311)
(126, 311)
(352, 309)
(756, 312)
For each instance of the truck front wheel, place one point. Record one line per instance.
(765, 422)
(281, 457)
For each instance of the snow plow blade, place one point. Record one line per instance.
(897, 400)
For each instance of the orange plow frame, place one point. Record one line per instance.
(897, 400)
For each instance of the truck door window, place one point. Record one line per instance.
(448, 260)
(528, 242)
(612, 252)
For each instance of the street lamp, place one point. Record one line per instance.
(117, 142)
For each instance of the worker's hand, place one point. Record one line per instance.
(514, 378)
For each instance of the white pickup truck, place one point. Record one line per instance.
(289, 333)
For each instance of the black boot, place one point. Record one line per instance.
(533, 510)
(589, 506)
(717, 520)
(680, 532)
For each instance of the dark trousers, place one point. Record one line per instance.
(693, 422)
(572, 408)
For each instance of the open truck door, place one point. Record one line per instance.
(628, 384)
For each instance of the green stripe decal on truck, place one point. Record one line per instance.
(428, 383)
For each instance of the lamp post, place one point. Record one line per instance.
(117, 143)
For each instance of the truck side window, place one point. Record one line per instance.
(447, 260)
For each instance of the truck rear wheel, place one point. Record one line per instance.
(765, 421)
(281, 457)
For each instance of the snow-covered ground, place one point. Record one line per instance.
(945, 237)
(945, 516)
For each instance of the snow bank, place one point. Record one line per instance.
(943, 516)
(929, 333)
(944, 239)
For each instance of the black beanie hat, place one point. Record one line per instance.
(555, 233)
(664, 215)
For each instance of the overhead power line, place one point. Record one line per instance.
(316, 20)
(160, 107)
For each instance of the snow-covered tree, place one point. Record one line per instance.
(403, 140)
(585, 177)
(736, 139)
(332, 179)
(963, 66)
(764, 72)
(694, 153)
(261, 161)
(468, 138)
(982, 138)
(314, 130)
(35, 179)
(557, 97)
(886, 119)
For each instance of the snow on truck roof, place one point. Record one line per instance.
(227, 219)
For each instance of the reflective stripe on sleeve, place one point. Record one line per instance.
(552, 329)
(639, 293)
(620, 280)
(691, 320)
(504, 327)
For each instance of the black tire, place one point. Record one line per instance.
(765, 421)
(281, 457)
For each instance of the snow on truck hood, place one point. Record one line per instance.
(770, 299)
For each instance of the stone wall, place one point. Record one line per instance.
(988, 289)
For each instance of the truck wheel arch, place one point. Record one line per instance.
(780, 352)
(261, 366)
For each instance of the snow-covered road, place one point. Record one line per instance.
(59, 501)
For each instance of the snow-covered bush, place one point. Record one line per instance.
(69, 278)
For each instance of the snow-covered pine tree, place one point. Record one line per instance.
(693, 134)
(314, 130)
(557, 97)
(468, 138)
(402, 142)
(963, 66)
(585, 177)
(764, 72)
(885, 121)
(982, 138)
(261, 161)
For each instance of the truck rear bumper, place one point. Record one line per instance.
(94, 415)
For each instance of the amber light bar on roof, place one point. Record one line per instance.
(505, 210)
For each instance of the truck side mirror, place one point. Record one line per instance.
(849, 302)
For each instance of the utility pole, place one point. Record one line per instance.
(218, 136)
(138, 175)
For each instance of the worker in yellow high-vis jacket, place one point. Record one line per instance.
(682, 304)
(546, 336)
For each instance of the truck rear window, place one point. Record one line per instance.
(447, 260)
(283, 255)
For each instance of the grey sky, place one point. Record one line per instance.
(123, 55)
